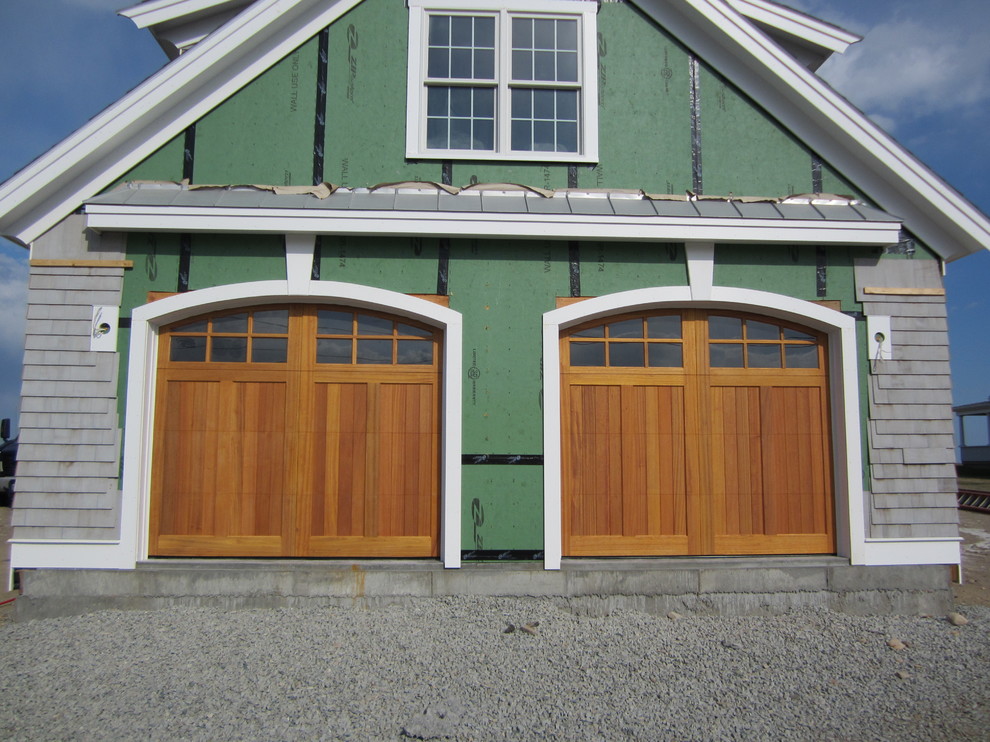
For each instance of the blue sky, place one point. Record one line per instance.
(922, 72)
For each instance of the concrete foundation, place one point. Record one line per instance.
(750, 586)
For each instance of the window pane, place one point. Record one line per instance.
(438, 102)
(543, 104)
(544, 33)
(460, 133)
(192, 327)
(484, 64)
(272, 322)
(763, 356)
(371, 325)
(374, 351)
(567, 35)
(598, 331)
(543, 66)
(543, 139)
(801, 356)
(761, 331)
(439, 30)
(436, 133)
(522, 64)
(438, 62)
(415, 352)
(522, 33)
(460, 102)
(231, 323)
(522, 104)
(567, 105)
(484, 103)
(566, 137)
(333, 350)
(627, 328)
(725, 355)
(587, 354)
(419, 332)
(461, 30)
(334, 323)
(484, 32)
(460, 64)
(269, 350)
(666, 355)
(790, 334)
(626, 354)
(187, 349)
(522, 136)
(567, 67)
(484, 135)
(667, 326)
(228, 350)
(725, 328)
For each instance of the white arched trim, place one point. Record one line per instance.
(139, 426)
(843, 383)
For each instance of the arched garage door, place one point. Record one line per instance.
(306, 431)
(694, 432)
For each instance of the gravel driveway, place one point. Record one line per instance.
(446, 668)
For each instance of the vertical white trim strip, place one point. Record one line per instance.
(701, 268)
(299, 249)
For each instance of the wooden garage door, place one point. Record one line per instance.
(695, 433)
(307, 431)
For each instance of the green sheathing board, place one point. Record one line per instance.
(502, 507)
(620, 266)
(366, 99)
(644, 114)
(404, 264)
(263, 133)
(743, 150)
(502, 290)
(164, 164)
(220, 259)
(549, 176)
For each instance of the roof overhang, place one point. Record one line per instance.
(504, 214)
(178, 25)
(123, 135)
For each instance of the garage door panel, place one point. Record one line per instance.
(737, 456)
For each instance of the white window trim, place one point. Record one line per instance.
(416, 90)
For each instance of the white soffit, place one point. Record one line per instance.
(162, 11)
(178, 25)
(813, 31)
(828, 124)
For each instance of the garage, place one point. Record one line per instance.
(695, 432)
(296, 431)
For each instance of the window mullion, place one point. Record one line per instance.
(503, 50)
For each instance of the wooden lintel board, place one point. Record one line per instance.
(903, 291)
(56, 263)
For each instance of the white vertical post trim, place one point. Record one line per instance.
(299, 250)
(701, 269)
(552, 515)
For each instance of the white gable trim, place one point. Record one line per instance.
(826, 123)
(799, 25)
(141, 122)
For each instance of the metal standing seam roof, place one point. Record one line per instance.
(491, 199)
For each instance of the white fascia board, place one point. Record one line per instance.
(796, 24)
(889, 552)
(483, 225)
(827, 123)
(40, 195)
(162, 11)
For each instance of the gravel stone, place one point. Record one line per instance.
(444, 669)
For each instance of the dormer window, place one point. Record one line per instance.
(491, 82)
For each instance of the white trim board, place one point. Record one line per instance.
(142, 218)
